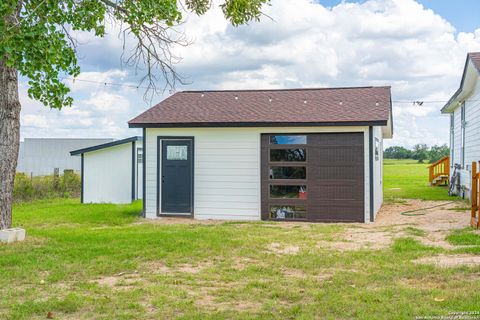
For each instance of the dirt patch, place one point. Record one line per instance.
(210, 302)
(299, 274)
(158, 267)
(447, 261)
(434, 225)
(362, 238)
(424, 284)
(155, 267)
(242, 263)
(193, 268)
(119, 281)
(207, 297)
(280, 249)
(437, 222)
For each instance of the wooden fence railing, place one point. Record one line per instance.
(475, 220)
(439, 171)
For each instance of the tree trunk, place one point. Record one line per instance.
(9, 140)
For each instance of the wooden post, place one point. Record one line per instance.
(447, 167)
(474, 195)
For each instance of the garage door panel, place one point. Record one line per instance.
(335, 193)
(333, 173)
(334, 180)
(335, 211)
(336, 139)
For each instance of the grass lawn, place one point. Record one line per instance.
(104, 262)
(408, 179)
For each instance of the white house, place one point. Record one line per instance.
(112, 172)
(40, 156)
(296, 154)
(464, 110)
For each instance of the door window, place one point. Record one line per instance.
(177, 153)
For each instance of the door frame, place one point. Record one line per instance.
(159, 173)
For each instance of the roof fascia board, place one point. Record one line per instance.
(104, 145)
(257, 124)
(451, 104)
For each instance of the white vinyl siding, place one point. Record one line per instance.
(452, 139)
(378, 170)
(457, 135)
(472, 128)
(472, 137)
(462, 135)
(107, 175)
(227, 169)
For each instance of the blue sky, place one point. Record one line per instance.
(464, 15)
(417, 48)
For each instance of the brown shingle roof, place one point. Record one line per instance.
(475, 57)
(292, 107)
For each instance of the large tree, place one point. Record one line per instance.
(37, 42)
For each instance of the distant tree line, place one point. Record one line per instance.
(420, 152)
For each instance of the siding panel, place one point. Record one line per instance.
(472, 137)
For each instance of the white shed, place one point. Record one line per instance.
(112, 172)
(298, 154)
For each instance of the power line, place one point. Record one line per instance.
(105, 83)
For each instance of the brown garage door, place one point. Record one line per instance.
(313, 177)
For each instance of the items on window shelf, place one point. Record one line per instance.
(302, 193)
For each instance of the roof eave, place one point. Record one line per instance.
(104, 145)
(257, 124)
(450, 106)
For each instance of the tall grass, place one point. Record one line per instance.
(46, 187)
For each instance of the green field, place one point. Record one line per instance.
(408, 179)
(103, 261)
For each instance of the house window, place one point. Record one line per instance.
(288, 172)
(452, 139)
(462, 145)
(298, 155)
(139, 155)
(288, 192)
(288, 212)
(377, 149)
(292, 139)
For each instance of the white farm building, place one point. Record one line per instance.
(41, 156)
(112, 172)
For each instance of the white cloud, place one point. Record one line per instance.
(34, 121)
(377, 42)
(108, 102)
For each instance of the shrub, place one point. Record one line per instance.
(46, 187)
